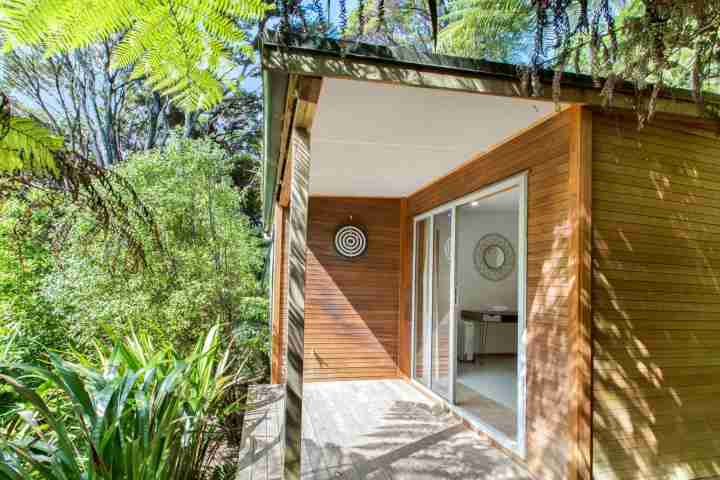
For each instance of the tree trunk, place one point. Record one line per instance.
(153, 121)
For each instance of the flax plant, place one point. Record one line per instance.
(146, 414)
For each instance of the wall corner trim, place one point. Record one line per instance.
(580, 301)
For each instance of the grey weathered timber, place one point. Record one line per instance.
(300, 164)
(388, 430)
(377, 429)
(261, 453)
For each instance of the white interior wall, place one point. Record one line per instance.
(475, 291)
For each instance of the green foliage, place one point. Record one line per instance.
(27, 146)
(488, 29)
(182, 48)
(392, 22)
(207, 271)
(25, 260)
(146, 413)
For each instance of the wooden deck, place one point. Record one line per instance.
(380, 430)
(261, 455)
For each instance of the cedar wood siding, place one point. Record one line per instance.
(351, 322)
(543, 151)
(656, 299)
(279, 297)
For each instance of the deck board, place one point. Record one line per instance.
(262, 440)
(387, 430)
(368, 430)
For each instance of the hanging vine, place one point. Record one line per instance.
(380, 15)
(361, 18)
(649, 42)
(344, 16)
(32, 158)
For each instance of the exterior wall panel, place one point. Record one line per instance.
(656, 299)
(544, 152)
(351, 306)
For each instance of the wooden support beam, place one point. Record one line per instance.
(302, 101)
(278, 281)
(580, 301)
(297, 245)
(283, 177)
(309, 89)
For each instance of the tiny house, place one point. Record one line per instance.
(544, 270)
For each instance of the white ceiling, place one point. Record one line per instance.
(507, 201)
(373, 139)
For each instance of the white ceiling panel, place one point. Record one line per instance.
(373, 139)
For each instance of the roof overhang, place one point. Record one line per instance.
(298, 57)
(275, 85)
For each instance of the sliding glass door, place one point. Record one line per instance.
(442, 253)
(469, 307)
(433, 304)
(421, 302)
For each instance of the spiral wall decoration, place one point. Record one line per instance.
(350, 241)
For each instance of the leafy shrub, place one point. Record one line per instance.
(27, 319)
(207, 271)
(146, 413)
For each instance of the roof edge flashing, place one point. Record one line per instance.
(274, 87)
(416, 59)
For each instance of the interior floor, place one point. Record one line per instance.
(486, 390)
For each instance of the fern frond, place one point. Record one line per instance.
(483, 27)
(28, 147)
(180, 47)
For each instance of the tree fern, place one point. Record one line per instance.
(25, 145)
(491, 29)
(180, 47)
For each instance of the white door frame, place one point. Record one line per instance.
(427, 306)
(517, 445)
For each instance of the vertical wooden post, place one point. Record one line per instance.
(404, 293)
(300, 164)
(279, 271)
(580, 297)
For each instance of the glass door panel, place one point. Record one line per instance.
(421, 307)
(468, 307)
(488, 245)
(441, 301)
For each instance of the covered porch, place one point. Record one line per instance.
(365, 326)
(370, 429)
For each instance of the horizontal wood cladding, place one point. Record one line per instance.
(351, 306)
(543, 151)
(656, 299)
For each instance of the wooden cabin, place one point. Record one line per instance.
(547, 271)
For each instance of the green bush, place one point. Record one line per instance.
(27, 319)
(146, 413)
(207, 271)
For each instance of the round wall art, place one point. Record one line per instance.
(494, 257)
(350, 241)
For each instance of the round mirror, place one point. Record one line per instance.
(494, 257)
